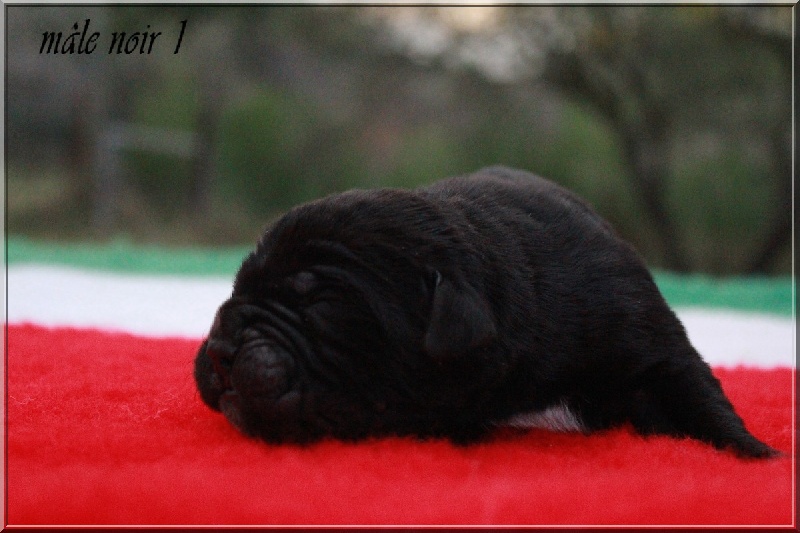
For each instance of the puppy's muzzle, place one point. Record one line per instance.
(222, 355)
(255, 376)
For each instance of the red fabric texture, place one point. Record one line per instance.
(108, 429)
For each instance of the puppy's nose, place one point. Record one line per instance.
(222, 354)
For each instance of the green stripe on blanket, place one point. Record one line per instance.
(123, 256)
(766, 295)
(757, 294)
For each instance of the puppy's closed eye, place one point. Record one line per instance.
(303, 283)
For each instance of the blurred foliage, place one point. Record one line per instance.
(635, 108)
(162, 179)
(263, 139)
(709, 196)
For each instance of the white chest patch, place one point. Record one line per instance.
(555, 418)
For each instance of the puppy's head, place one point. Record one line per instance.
(356, 315)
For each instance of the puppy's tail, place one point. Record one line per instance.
(687, 400)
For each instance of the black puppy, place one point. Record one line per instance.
(496, 298)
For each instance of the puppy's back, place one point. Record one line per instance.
(541, 200)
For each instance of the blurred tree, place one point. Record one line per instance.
(617, 79)
(673, 83)
(674, 121)
(656, 73)
(768, 29)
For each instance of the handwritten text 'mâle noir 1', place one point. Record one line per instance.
(85, 42)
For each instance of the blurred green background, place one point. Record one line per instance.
(675, 122)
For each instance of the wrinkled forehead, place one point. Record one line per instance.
(226, 319)
(361, 218)
(295, 268)
(373, 254)
(386, 238)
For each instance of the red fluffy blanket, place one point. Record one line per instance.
(107, 428)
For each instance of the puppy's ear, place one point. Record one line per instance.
(460, 320)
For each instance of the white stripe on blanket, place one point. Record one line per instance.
(160, 306)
